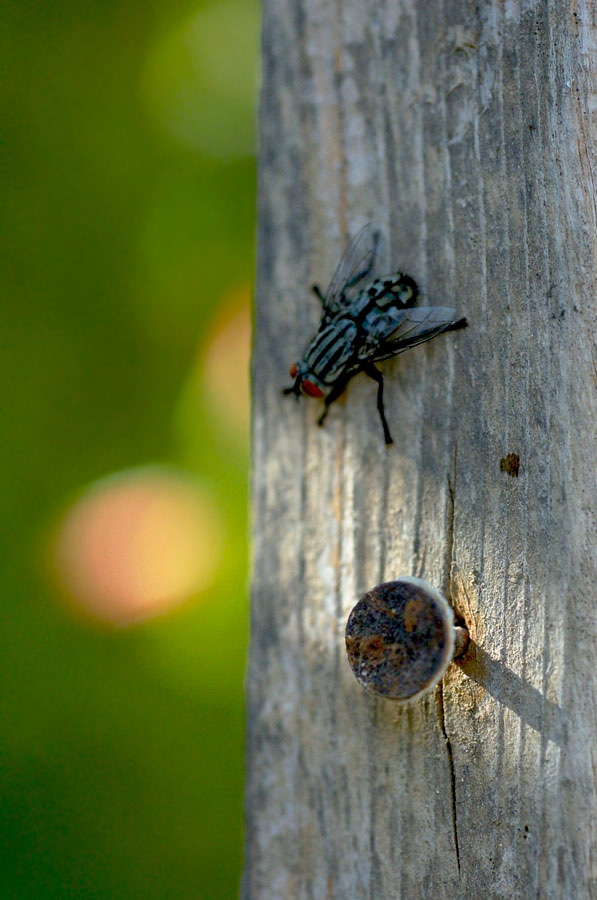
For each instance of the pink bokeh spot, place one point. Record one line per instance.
(137, 544)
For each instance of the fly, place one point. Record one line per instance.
(365, 319)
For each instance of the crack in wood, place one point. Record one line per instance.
(440, 693)
(450, 529)
(448, 742)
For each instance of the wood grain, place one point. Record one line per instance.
(468, 132)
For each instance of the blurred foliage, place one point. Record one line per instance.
(128, 186)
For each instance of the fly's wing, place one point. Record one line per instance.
(399, 329)
(358, 261)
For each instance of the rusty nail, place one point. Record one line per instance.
(401, 638)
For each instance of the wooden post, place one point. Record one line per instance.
(467, 131)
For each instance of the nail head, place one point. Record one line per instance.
(400, 638)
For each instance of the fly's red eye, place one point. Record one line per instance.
(311, 389)
(293, 370)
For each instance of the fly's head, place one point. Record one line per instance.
(305, 382)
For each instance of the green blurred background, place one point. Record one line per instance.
(127, 261)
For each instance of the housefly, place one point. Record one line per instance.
(365, 319)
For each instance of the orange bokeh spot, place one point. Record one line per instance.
(137, 544)
(225, 360)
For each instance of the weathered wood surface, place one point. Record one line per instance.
(468, 131)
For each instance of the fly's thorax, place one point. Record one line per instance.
(332, 349)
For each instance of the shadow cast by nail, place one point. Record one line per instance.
(522, 698)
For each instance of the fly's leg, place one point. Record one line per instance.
(376, 375)
(335, 392)
(316, 290)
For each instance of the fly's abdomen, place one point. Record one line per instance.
(332, 348)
